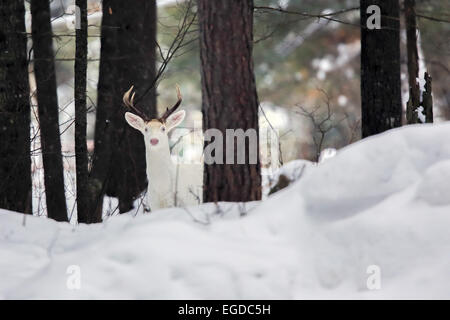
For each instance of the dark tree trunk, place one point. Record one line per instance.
(381, 106)
(413, 61)
(15, 163)
(98, 175)
(136, 48)
(229, 98)
(427, 101)
(44, 71)
(127, 57)
(414, 101)
(81, 156)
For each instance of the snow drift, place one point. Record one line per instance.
(384, 202)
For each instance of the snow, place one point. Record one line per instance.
(381, 202)
(419, 110)
(326, 154)
(346, 53)
(342, 100)
(421, 82)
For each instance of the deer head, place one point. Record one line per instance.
(154, 130)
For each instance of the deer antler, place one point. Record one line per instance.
(130, 103)
(168, 112)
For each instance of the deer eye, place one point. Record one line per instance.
(163, 129)
(146, 130)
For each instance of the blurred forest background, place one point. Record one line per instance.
(295, 59)
(307, 71)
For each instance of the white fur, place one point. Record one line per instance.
(161, 170)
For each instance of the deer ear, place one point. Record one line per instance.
(175, 119)
(135, 121)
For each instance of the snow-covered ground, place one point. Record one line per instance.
(376, 213)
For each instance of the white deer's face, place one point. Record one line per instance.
(154, 131)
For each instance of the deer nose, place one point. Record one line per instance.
(154, 141)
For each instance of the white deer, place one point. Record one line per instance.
(161, 171)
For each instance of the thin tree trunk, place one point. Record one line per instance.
(413, 62)
(381, 106)
(44, 71)
(15, 163)
(427, 99)
(81, 156)
(414, 102)
(229, 98)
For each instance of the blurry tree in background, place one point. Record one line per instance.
(416, 101)
(229, 98)
(381, 103)
(44, 71)
(81, 153)
(15, 164)
(413, 62)
(434, 24)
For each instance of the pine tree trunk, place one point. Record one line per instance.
(101, 159)
(136, 47)
(15, 163)
(381, 106)
(81, 155)
(44, 71)
(229, 98)
(127, 57)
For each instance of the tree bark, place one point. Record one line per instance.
(413, 63)
(106, 94)
(413, 60)
(229, 98)
(427, 100)
(127, 57)
(414, 101)
(381, 106)
(44, 71)
(136, 47)
(15, 163)
(81, 155)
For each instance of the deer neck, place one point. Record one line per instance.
(159, 163)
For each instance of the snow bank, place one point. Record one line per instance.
(382, 202)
